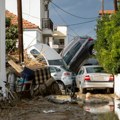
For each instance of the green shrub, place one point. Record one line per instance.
(108, 42)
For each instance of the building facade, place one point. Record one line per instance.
(37, 12)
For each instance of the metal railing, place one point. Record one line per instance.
(47, 23)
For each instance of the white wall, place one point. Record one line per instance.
(2, 45)
(31, 38)
(62, 29)
(117, 85)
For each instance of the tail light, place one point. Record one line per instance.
(87, 78)
(90, 39)
(111, 78)
(67, 73)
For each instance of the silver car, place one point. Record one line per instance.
(94, 77)
(79, 49)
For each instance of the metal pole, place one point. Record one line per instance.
(20, 31)
(115, 5)
(2, 47)
(102, 7)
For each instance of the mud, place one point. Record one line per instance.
(40, 108)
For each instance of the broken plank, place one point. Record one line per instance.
(17, 67)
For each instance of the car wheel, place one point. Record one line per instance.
(55, 89)
(110, 90)
(82, 90)
(62, 87)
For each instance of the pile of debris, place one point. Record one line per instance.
(32, 77)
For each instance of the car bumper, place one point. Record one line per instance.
(67, 81)
(98, 85)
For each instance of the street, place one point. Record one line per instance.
(45, 108)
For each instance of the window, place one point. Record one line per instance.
(52, 69)
(95, 70)
(56, 62)
(81, 72)
(37, 55)
(57, 69)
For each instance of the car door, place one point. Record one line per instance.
(56, 73)
(79, 77)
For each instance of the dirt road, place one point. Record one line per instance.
(40, 108)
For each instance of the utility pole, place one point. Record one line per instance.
(20, 31)
(115, 5)
(102, 7)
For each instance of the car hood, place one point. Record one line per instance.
(81, 55)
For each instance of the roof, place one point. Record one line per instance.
(109, 12)
(14, 21)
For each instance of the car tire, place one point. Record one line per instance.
(110, 90)
(82, 90)
(62, 87)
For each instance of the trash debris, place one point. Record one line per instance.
(48, 111)
(60, 99)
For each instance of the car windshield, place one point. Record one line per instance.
(56, 62)
(95, 70)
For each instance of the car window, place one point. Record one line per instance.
(56, 62)
(95, 70)
(58, 70)
(72, 52)
(34, 52)
(52, 70)
(81, 72)
(37, 55)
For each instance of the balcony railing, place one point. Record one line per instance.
(47, 23)
(58, 46)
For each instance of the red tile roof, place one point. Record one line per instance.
(109, 12)
(14, 21)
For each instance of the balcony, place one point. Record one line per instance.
(55, 46)
(47, 27)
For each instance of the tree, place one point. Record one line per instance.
(108, 42)
(11, 36)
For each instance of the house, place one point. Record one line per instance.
(108, 12)
(36, 14)
(31, 32)
(59, 40)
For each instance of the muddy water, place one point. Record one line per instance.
(61, 108)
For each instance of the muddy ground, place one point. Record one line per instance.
(40, 108)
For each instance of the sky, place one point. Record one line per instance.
(87, 9)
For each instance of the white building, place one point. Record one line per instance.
(31, 33)
(59, 40)
(37, 12)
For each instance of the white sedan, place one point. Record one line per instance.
(94, 77)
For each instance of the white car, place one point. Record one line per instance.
(43, 52)
(94, 77)
(62, 75)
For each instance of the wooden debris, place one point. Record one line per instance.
(17, 67)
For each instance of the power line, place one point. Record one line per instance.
(64, 20)
(72, 14)
(81, 23)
